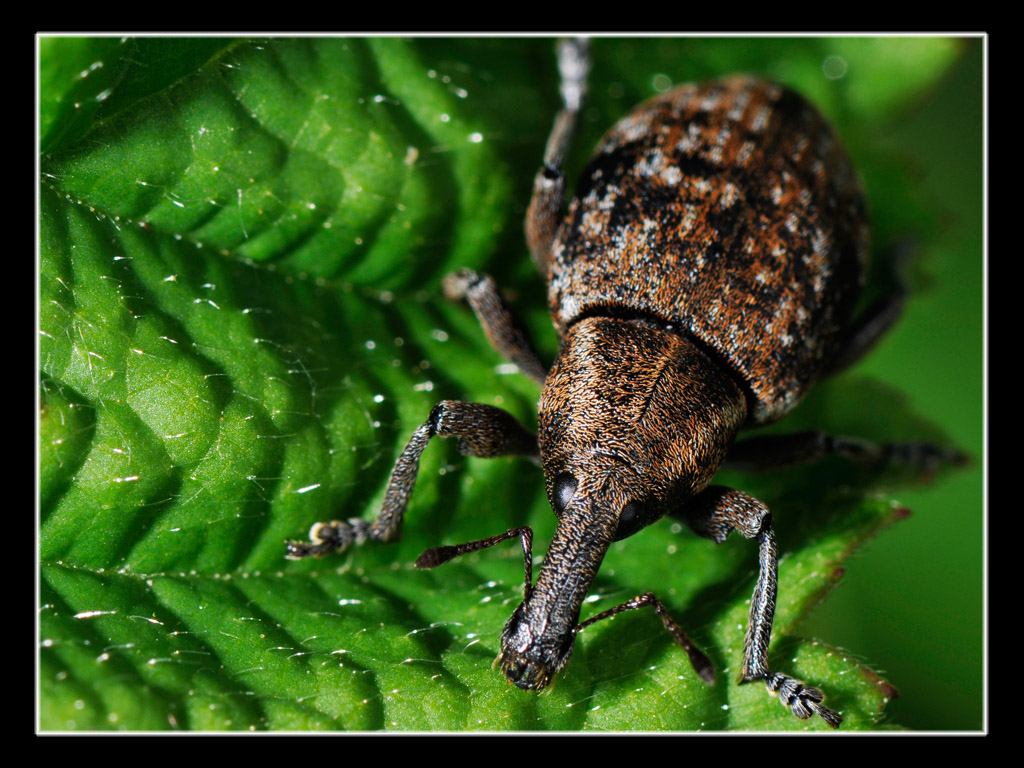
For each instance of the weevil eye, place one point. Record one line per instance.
(565, 487)
(629, 520)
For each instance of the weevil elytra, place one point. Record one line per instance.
(703, 277)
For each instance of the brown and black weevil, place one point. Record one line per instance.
(702, 279)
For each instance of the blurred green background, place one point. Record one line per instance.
(912, 602)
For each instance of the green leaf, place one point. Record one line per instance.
(241, 243)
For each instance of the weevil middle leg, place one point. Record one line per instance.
(770, 452)
(501, 326)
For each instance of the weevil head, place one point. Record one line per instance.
(634, 420)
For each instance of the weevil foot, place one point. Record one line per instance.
(456, 284)
(803, 701)
(573, 66)
(325, 538)
(926, 457)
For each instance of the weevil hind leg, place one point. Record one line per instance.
(545, 209)
(714, 514)
(500, 324)
(482, 430)
(875, 322)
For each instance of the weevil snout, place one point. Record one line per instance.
(538, 639)
(528, 661)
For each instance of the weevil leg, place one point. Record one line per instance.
(545, 209)
(770, 452)
(715, 513)
(501, 326)
(866, 330)
(482, 430)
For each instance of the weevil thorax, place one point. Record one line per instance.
(633, 420)
(634, 410)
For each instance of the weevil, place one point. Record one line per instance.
(703, 277)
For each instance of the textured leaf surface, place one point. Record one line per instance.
(240, 326)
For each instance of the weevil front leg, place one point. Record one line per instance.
(714, 514)
(482, 430)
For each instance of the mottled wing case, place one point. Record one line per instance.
(730, 210)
